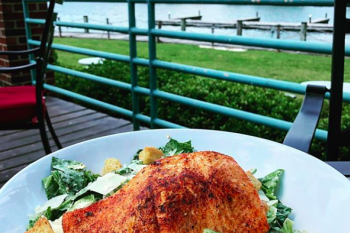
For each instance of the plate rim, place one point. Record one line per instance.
(3, 189)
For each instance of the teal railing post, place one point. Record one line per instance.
(133, 66)
(152, 50)
(28, 35)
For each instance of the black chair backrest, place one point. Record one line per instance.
(47, 38)
(43, 54)
(301, 133)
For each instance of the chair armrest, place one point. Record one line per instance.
(301, 133)
(17, 68)
(342, 167)
(20, 52)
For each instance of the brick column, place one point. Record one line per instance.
(13, 37)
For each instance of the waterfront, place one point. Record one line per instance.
(117, 15)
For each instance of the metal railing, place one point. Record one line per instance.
(153, 63)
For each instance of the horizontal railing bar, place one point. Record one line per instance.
(99, 79)
(159, 122)
(239, 114)
(88, 100)
(303, 46)
(225, 2)
(91, 77)
(143, 118)
(139, 31)
(98, 103)
(86, 26)
(233, 77)
(35, 21)
(168, 124)
(88, 52)
(142, 90)
(141, 61)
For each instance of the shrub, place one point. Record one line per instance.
(248, 98)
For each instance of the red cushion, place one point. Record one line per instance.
(17, 104)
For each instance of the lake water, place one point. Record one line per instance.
(117, 15)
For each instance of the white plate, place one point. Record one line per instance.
(318, 194)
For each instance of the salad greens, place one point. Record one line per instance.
(277, 215)
(209, 231)
(174, 147)
(70, 186)
(67, 177)
(269, 183)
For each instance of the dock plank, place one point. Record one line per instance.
(73, 124)
(59, 131)
(63, 121)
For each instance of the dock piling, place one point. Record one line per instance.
(239, 27)
(59, 28)
(108, 33)
(303, 31)
(183, 24)
(212, 32)
(86, 20)
(278, 31)
(159, 27)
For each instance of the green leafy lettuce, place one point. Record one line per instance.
(277, 215)
(174, 147)
(126, 169)
(67, 176)
(270, 182)
(209, 231)
(83, 202)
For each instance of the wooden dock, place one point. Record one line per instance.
(73, 123)
(251, 24)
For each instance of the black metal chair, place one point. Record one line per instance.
(24, 107)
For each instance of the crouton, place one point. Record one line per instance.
(41, 226)
(255, 181)
(149, 155)
(111, 164)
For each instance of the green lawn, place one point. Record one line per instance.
(277, 65)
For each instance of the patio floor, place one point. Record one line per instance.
(73, 123)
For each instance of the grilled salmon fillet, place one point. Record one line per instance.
(182, 193)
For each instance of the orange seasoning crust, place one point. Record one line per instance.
(183, 193)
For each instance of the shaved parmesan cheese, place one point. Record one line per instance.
(263, 196)
(83, 202)
(53, 203)
(135, 167)
(57, 225)
(107, 183)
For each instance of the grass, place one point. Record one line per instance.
(277, 65)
